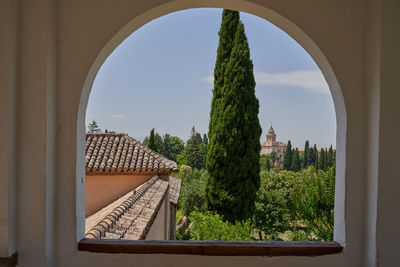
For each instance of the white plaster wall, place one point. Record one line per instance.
(373, 47)
(157, 230)
(388, 212)
(61, 45)
(8, 86)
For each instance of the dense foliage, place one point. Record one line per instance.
(313, 200)
(234, 129)
(289, 206)
(169, 146)
(295, 161)
(300, 203)
(271, 214)
(211, 226)
(193, 190)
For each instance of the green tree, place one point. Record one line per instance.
(184, 171)
(230, 20)
(152, 141)
(193, 192)
(264, 160)
(296, 163)
(268, 165)
(234, 130)
(176, 146)
(282, 181)
(194, 156)
(205, 139)
(312, 201)
(316, 156)
(322, 160)
(306, 154)
(311, 159)
(273, 156)
(271, 214)
(287, 157)
(330, 158)
(94, 127)
(165, 148)
(171, 146)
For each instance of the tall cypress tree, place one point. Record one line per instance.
(287, 157)
(306, 154)
(205, 139)
(329, 160)
(316, 156)
(311, 158)
(322, 160)
(230, 20)
(234, 134)
(296, 163)
(152, 141)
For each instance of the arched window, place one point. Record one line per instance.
(119, 155)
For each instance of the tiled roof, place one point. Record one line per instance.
(121, 154)
(133, 218)
(174, 189)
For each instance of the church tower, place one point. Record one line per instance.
(271, 145)
(271, 136)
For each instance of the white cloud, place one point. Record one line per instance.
(311, 81)
(118, 116)
(208, 79)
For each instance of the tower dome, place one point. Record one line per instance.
(271, 130)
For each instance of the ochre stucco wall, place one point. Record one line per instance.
(101, 190)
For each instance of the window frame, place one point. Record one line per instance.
(212, 248)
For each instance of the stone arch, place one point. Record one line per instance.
(279, 20)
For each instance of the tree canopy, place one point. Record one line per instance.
(93, 127)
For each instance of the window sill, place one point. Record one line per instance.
(212, 248)
(10, 261)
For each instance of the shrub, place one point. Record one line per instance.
(271, 215)
(210, 226)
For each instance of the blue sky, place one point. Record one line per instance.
(161, 77)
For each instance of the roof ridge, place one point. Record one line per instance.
(119, 153)
(132, 222)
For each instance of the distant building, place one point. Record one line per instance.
(271, 145)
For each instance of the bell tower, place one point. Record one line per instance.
(271, 136)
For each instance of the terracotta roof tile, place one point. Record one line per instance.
(174, 189)
(120, 153)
